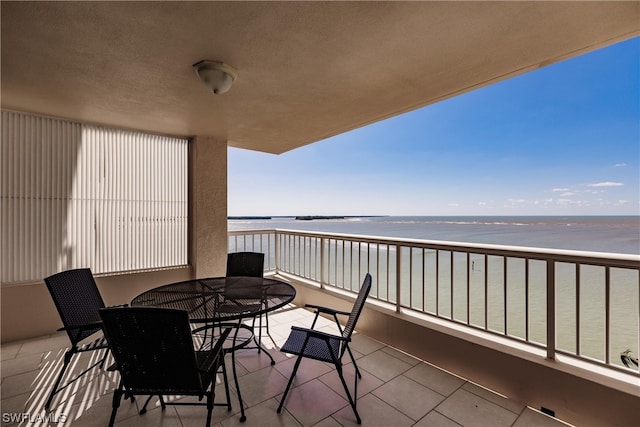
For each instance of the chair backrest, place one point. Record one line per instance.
(357, 307)
(77, 299)
(153, 349)
(245, 264)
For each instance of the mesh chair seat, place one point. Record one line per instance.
(325, 350)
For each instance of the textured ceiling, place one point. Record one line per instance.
(307, 70)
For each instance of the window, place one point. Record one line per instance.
(76, 195)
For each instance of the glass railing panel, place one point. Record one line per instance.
(496, 293)
(477, 291)
(624, 313)
(516, 295)
(537, 298)
(566, 310)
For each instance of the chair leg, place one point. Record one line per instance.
(226, 384)
(353, 360)
(67, 359)
(352, 401)
(209, 408)
(162, 404)
(106, 353)
(144, 407)
(117, 394)
(286, 390)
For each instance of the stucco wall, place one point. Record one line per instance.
(209, 208)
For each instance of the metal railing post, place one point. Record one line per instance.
(551, 309)
(398, 276)
(276, 237)
(322, 262)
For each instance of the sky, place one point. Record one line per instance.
(561, 140)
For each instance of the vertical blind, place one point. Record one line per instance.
(76, 195)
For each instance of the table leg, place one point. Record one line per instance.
(243, 418)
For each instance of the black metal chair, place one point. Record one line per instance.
(250, 264)
(326, 347)
(153, 349)
(77, 300)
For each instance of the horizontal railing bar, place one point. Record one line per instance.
(615, 260)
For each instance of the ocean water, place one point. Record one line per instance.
(616, 234)
(609, 234)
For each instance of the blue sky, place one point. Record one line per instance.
(561, 140)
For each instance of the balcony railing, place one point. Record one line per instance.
(585, 305)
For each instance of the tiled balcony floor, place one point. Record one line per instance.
(396, 390)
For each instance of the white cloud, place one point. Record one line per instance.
(605, 184)
(482, 203)
(455, 205)
(567, 194)
(620, 165)
(559, 189)
(621, 203)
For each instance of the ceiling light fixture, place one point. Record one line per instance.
(217, 76)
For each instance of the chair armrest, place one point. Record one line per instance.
(327, 310)
(92, 325)
(319, 334)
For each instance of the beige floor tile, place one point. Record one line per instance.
(489, 395)
(531, 418)
(256, 387)
(240, 369)
(19, 384)
(405, 357)
(435, 419)
(14, 405)
(366, 384)
(253, 361)
(328, 422)
(50, 343)
(308, 370)
(469, 409)
(364, 345)
(263, 414)
(20, 365)
(156, 418)
(312, 402)
(409, 397)
(196, 415)
(10, 350)
(288, 316)
(374, 413)
(435, 379)
(98, 412)
(383, 365)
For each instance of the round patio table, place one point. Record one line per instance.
(221, 300)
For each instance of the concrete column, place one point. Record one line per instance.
(209, 206)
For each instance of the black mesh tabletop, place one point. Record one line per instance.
(220, 298)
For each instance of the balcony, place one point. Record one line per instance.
(449, 361)
(396, 389)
